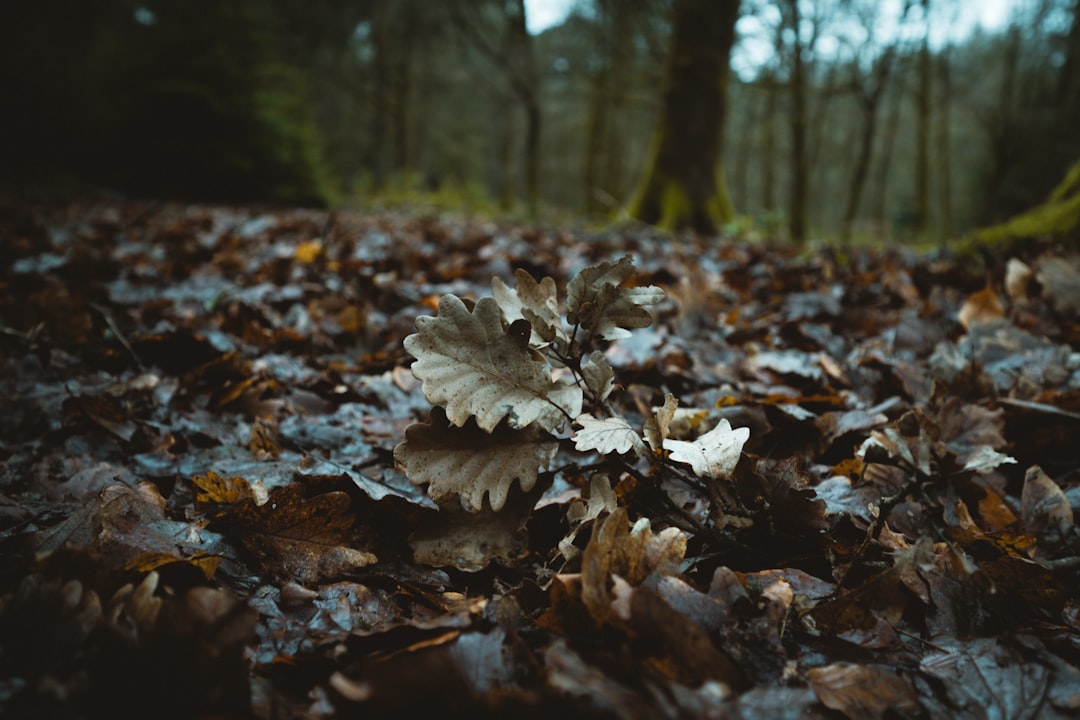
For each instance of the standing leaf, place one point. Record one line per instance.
(536, 302)
(657, 427)
(469, 463)
(598, 374)
(715, 454)
(471, 366)
(617, 308)
(587, 284)
(597, 303)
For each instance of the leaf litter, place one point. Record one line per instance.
(305, 464)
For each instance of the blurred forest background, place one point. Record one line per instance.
(844, 118)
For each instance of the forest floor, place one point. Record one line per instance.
(201, 513)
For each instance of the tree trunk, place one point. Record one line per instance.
(888, 141)
(740, 183)
(797, 219)
(869, 102)
(684, 185)
(922, 134)
(1003, 140)
(523, 80)
(380, 94)
(944, 145)
(768, 147)
(604, 186)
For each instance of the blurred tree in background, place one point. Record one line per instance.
(844, 118)
(684, 185)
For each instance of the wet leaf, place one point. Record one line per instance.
(303, 539)
(863, 692)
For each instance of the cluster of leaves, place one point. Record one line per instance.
(490, 368)
(784, 485)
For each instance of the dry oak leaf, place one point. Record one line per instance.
(631, 553)
(303, 539)
(606, 435)
(472, 366)
(471, 541)
(598, 375)
(534, 301)
(468, 462)
(715, 454)
(658, 427)
(602, 499)
(596, 302)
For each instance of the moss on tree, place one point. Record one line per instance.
(1057, 218)
(683, 187)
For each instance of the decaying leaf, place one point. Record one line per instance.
(606, 435)
(585, 285)
(472, 366)
(534, 301)
(715, 454)
(470, 463)
(985, 678)
(983, 306)
(121, 523)
(302, 539)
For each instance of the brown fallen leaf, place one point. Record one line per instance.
(293, 537)
(981, 307)
(1045, 512)
(212, 489)
(863, 692)
(631, 553)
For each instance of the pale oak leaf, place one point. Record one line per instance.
(715, 454)
(469, 364)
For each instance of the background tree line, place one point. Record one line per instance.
(839, 117)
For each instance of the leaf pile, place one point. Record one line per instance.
(812, 486)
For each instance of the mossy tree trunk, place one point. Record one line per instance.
(684, 186)
(1058, 218)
